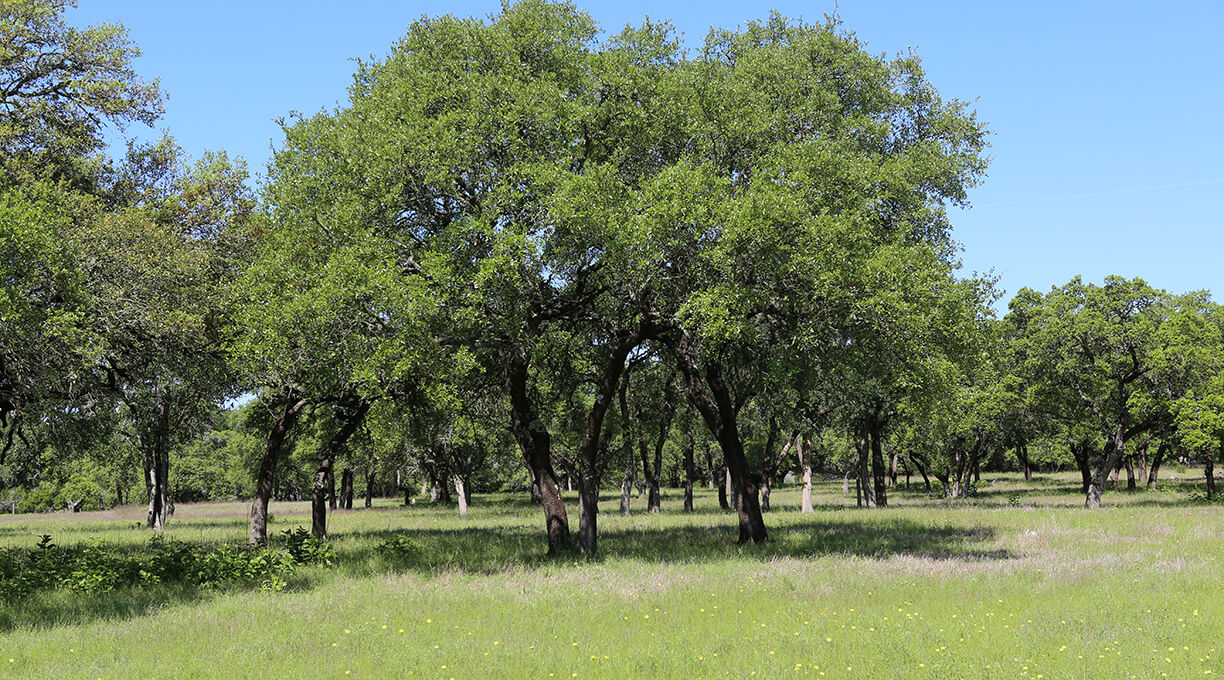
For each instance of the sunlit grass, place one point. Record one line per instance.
(1017, 582)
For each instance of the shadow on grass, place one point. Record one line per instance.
(431, 551)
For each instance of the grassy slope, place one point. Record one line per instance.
(1017, 583)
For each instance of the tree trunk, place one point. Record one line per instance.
(331, 489)
(892, 470)
(346, 489)
(626, 508)
(866, 488)
(711, 397)
(1114, 449)
(536, 444)
(711, 471)
(369, 492)
(690, 466)
(724, 484)
(877, 467)
(258, 534)
(1022, 456)
(846, 481)
(771, 440)
(1130, 472)
(1080, 453)
(1209, 473)
(589, 447)
(459, 493)
(1154, 471)
(158, 467)
(350, 415)
(805, 462)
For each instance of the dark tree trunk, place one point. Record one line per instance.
(666, 413)
(1080, 453)
(1154, 471)
(258, 534)
(1130, 472)
(118, 493)
(155, 456)
(536, 444)
(346, 489)
(877, 466)
(627, 451)
(1023, 457)
(711, 471)
(1209, 473)
(892, 470)
(1141, 463)
(589, 447)
(865, 487)
(350, 415)
(1114, 449)
(724, 483)
(926, 481)
(711, 397)
(690, 467)
(443, 485)
(369, 492)
(331, 489)
(771, 440)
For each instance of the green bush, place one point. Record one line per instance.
(101, 569)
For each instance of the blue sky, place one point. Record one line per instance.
(1108, 147)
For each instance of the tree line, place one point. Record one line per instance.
(525, 254)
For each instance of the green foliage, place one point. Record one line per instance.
(102, 569)
(400, 550)
(307, 549)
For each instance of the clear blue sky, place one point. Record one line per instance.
(1108, 144)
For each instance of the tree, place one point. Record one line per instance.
(1097, 345)
(59, 88)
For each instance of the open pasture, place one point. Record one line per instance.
(1016, 582)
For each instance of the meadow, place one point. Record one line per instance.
(1016, 582)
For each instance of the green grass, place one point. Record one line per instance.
(1017, 582)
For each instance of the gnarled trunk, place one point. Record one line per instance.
(1114, 449)
(535, 442)
(1154, 471)
(350, 415)
(258, 532)
(712, 399)
(1023, 457)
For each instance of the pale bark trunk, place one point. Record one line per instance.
(805, 462)
(461, 495)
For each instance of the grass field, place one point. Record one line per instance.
(1017, 582)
